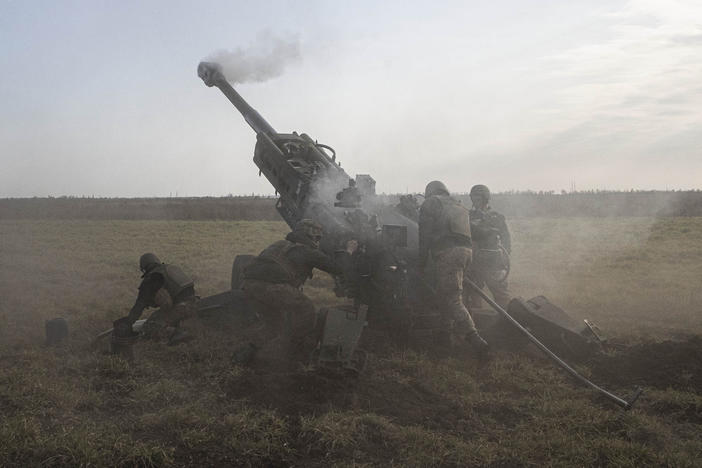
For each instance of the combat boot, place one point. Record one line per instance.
(479, 345)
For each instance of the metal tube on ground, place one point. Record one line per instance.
(619, 401)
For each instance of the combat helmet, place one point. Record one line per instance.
(435, 187)
(148, 261)
(480, 193)
(309, 229)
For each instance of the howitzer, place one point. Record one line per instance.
(312, 184)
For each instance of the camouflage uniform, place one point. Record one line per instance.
(169, 289)
(165, 287)
(444, 231)
(490, 236)
(274, 282)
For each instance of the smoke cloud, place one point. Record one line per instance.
(265, 58)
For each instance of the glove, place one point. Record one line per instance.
(123, 328)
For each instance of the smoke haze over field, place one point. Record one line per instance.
(541, 95)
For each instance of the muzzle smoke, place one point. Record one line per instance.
(262, 60)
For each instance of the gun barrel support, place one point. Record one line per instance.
(626, 405)
(211, 74)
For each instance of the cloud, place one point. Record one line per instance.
(637, 86)
(687, 39)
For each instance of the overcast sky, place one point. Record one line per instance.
(102, 97)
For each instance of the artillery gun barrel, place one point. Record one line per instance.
(211, 74)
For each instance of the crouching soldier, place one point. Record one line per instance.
(163, 286)
(274, 280)
(444, 232)
(492, 246)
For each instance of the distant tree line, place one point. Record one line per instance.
(598, 203)
(201, 208)
(512, 204)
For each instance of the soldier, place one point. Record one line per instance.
(409, 207)
(492, 246)
(444, 231)
(274, 283)
(166, 287)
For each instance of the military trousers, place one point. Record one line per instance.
(166, 317)
(499, 289)
(288, 314)
(451, 265)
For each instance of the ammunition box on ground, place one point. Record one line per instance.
(564, 335)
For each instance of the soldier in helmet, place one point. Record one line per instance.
(163, 286)
(274, 280)
(492, 245)
(444, 232)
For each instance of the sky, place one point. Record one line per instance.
(101, 98)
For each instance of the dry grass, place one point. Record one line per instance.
(633, 276)
(189, 406)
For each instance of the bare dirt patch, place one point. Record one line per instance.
(668, 364)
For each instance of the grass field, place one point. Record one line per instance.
(637, 278)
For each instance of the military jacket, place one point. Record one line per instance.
(178, 284)
(443, 222)
(489, 229)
